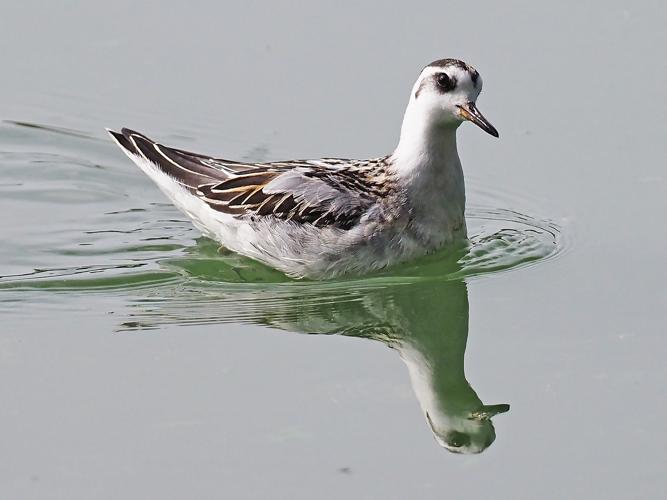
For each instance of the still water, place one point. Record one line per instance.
(139, 361)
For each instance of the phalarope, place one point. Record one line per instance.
(328, 217)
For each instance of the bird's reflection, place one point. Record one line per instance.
(424, 319)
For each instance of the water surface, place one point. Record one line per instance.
(138, 361)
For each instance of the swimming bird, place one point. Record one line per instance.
(328, 217)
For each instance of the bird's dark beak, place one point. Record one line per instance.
(485, 412)
(470, 112)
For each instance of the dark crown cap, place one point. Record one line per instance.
(446, 63)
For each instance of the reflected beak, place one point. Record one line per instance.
(488, 411)
(469, 111)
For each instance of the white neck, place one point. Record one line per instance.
(427, 163)
(425, 145)
(438, 378)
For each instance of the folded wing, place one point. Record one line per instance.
(320, 192)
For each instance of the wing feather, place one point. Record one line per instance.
(326, 192)
(301, 194)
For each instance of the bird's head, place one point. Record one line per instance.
(460, 430)
(446, 94)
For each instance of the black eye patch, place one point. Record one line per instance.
(457, 439)
(444, 82)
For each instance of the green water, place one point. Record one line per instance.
(137, 360)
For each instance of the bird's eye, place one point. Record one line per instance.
(457, 439)
(445, 82)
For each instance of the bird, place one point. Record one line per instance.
(332, 217)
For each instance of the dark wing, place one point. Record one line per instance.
(303, 193)
(328, 192)
(189, 169)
